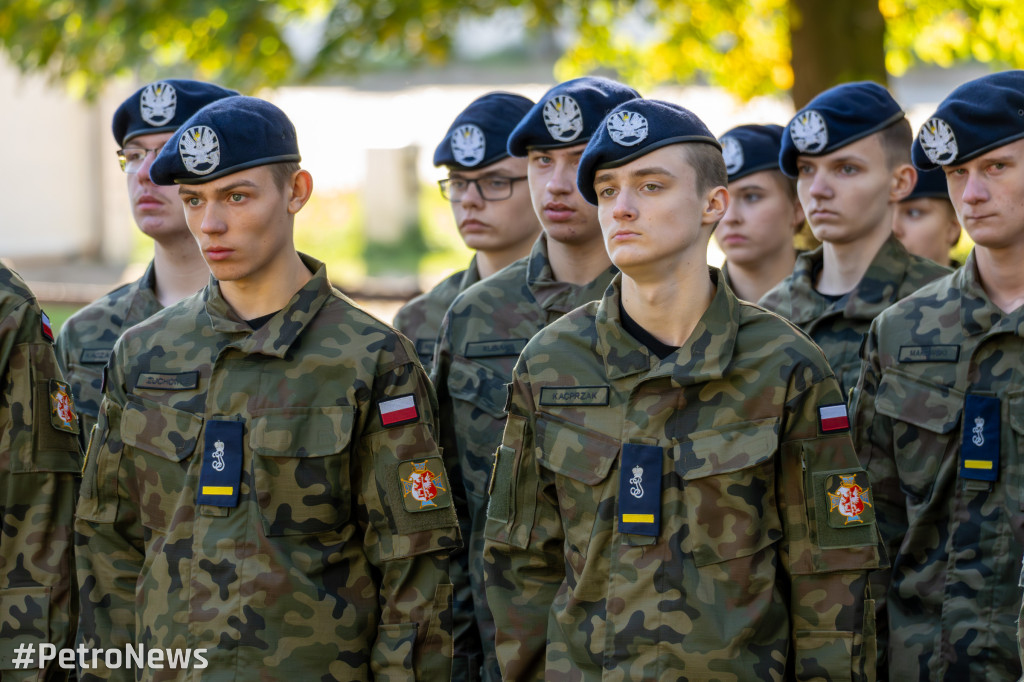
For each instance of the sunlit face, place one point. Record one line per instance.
(988, 195)
(927, 226)
(563, 212)
(652, 216)
(762, 218)
(495, 225)
(242, 222)
(846, 194)
(156, 208)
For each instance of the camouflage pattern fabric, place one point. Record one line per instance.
(39, 462)
(480, 340)
(839, 328)
(87, 339)
(334, 563)
(420, 318)
(955, 541)
(741, 567)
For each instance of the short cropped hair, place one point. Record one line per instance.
(283, 172)
(896, 141)
(708, 164)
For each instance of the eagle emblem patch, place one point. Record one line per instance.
(200, 150)
(563, 118)
(627, 128)
(468, 145)
(848, 501)
(732, 152)
(809, 132)
(62, 407)
(423, 485)
(158, 103)
(938, 141)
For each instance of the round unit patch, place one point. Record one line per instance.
(809, 132)
(938, 141)
(563, 118)
(158, 103)
(200, 150)
(627, 128)
(732, 152)
(468, 145)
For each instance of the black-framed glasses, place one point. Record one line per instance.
(131, 158)
(490, 188)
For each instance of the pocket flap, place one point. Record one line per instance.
(729, 448)
(302, 431)
(909, 399)
(574, 451)
(1016, 403)
(478, 385)
(160, 430)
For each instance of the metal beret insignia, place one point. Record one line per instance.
(158, 103)
(732, 151)
(938, 141)
(809, 132)
(627, 128)
(200, 150)
(563, 118)
(468, 145)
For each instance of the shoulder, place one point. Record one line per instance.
(573, 333)
(14, 293)
(433, 303)
(921, 271)
(178, 319)
(765, 332)
(104, 313)
(343, 321)
(502, 288)
(930, 301)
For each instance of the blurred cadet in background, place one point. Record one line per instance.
(926, 222)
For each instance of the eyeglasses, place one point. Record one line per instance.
(493, 188)
(131, 158)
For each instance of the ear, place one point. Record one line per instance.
(798, 214)
(904, 177)
(715, 206)
(300, 189)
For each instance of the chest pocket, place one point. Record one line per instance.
(924, 428)
(728, 490)
(301, 468)
(1016, 406)
(582, 459)
(482, 386)
(164, 440)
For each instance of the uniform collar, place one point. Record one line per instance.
(470, 276)
(144, 303)
(704, 357)
(978, 314)
(276, 336)
(555, 296)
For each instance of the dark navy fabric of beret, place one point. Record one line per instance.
(633, 129)
(163, 106)
(568, 114)
(931, 184)
(749, 149)
(979, 116)
(479, 135)
(225, 137)
(835, 118)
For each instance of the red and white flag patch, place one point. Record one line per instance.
(401, 410)
(47, 329)
(833, 418)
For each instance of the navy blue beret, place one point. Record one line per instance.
(931, 184)
(568, 114)
(977, 117)
(479, 135)
(751, 149)
(633, 129)
(836, 118)
(225, 137)
(163, 106)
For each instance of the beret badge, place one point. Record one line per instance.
(158, 103)
(200, 150)
(938, 141)
(627, 128)
(563, 118)
(732, 152)
(809, 132)
(468, 145)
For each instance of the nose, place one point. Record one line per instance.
(147, 161)
(732, 214)
(212, 222)
(897, 226)
(624, 210)
(819, 186)
(562, 179)
(473, 197)
(974, 190)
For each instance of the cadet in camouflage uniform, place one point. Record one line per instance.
(264, 482)
(939, 411)
(491, 206)
(489, 324)
(39, 462)
(676, 495)
(849, 150)
(142, 124)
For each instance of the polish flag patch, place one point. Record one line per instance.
(401, 410)
(47, 329)
(833, 418)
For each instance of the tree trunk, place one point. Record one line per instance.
(835, 41)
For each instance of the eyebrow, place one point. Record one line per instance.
(183, 189)
(639, 173)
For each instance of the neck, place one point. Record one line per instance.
(268, 290)
(687, 295)
(179, 268)
(751, 281)
(1001, 275)
(489, 262)
(845, 264)
(578, 264)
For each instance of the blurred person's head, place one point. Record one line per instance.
(926, 222)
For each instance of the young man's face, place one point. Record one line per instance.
(243, 221)
(652, 216)
(846, 194)
(495, 225)
(156, 208)
(762, 218)
(563, 212)
(988, 195)
(927, 227)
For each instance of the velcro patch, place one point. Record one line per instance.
(574, 395)
(62, 407)
(47, 329)
(939, 353)
(221, 474)
(95, 356)
(496, 348)
(640, 489)
(398, 411)
(849, 500)
(425, 348)
(833, 418)
(183, 381)
(424, 486)
(979, 450)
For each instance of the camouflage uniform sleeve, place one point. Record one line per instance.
(409, 525)
(523, 545)
(828, 549)
(39, 461)
(108, 533)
